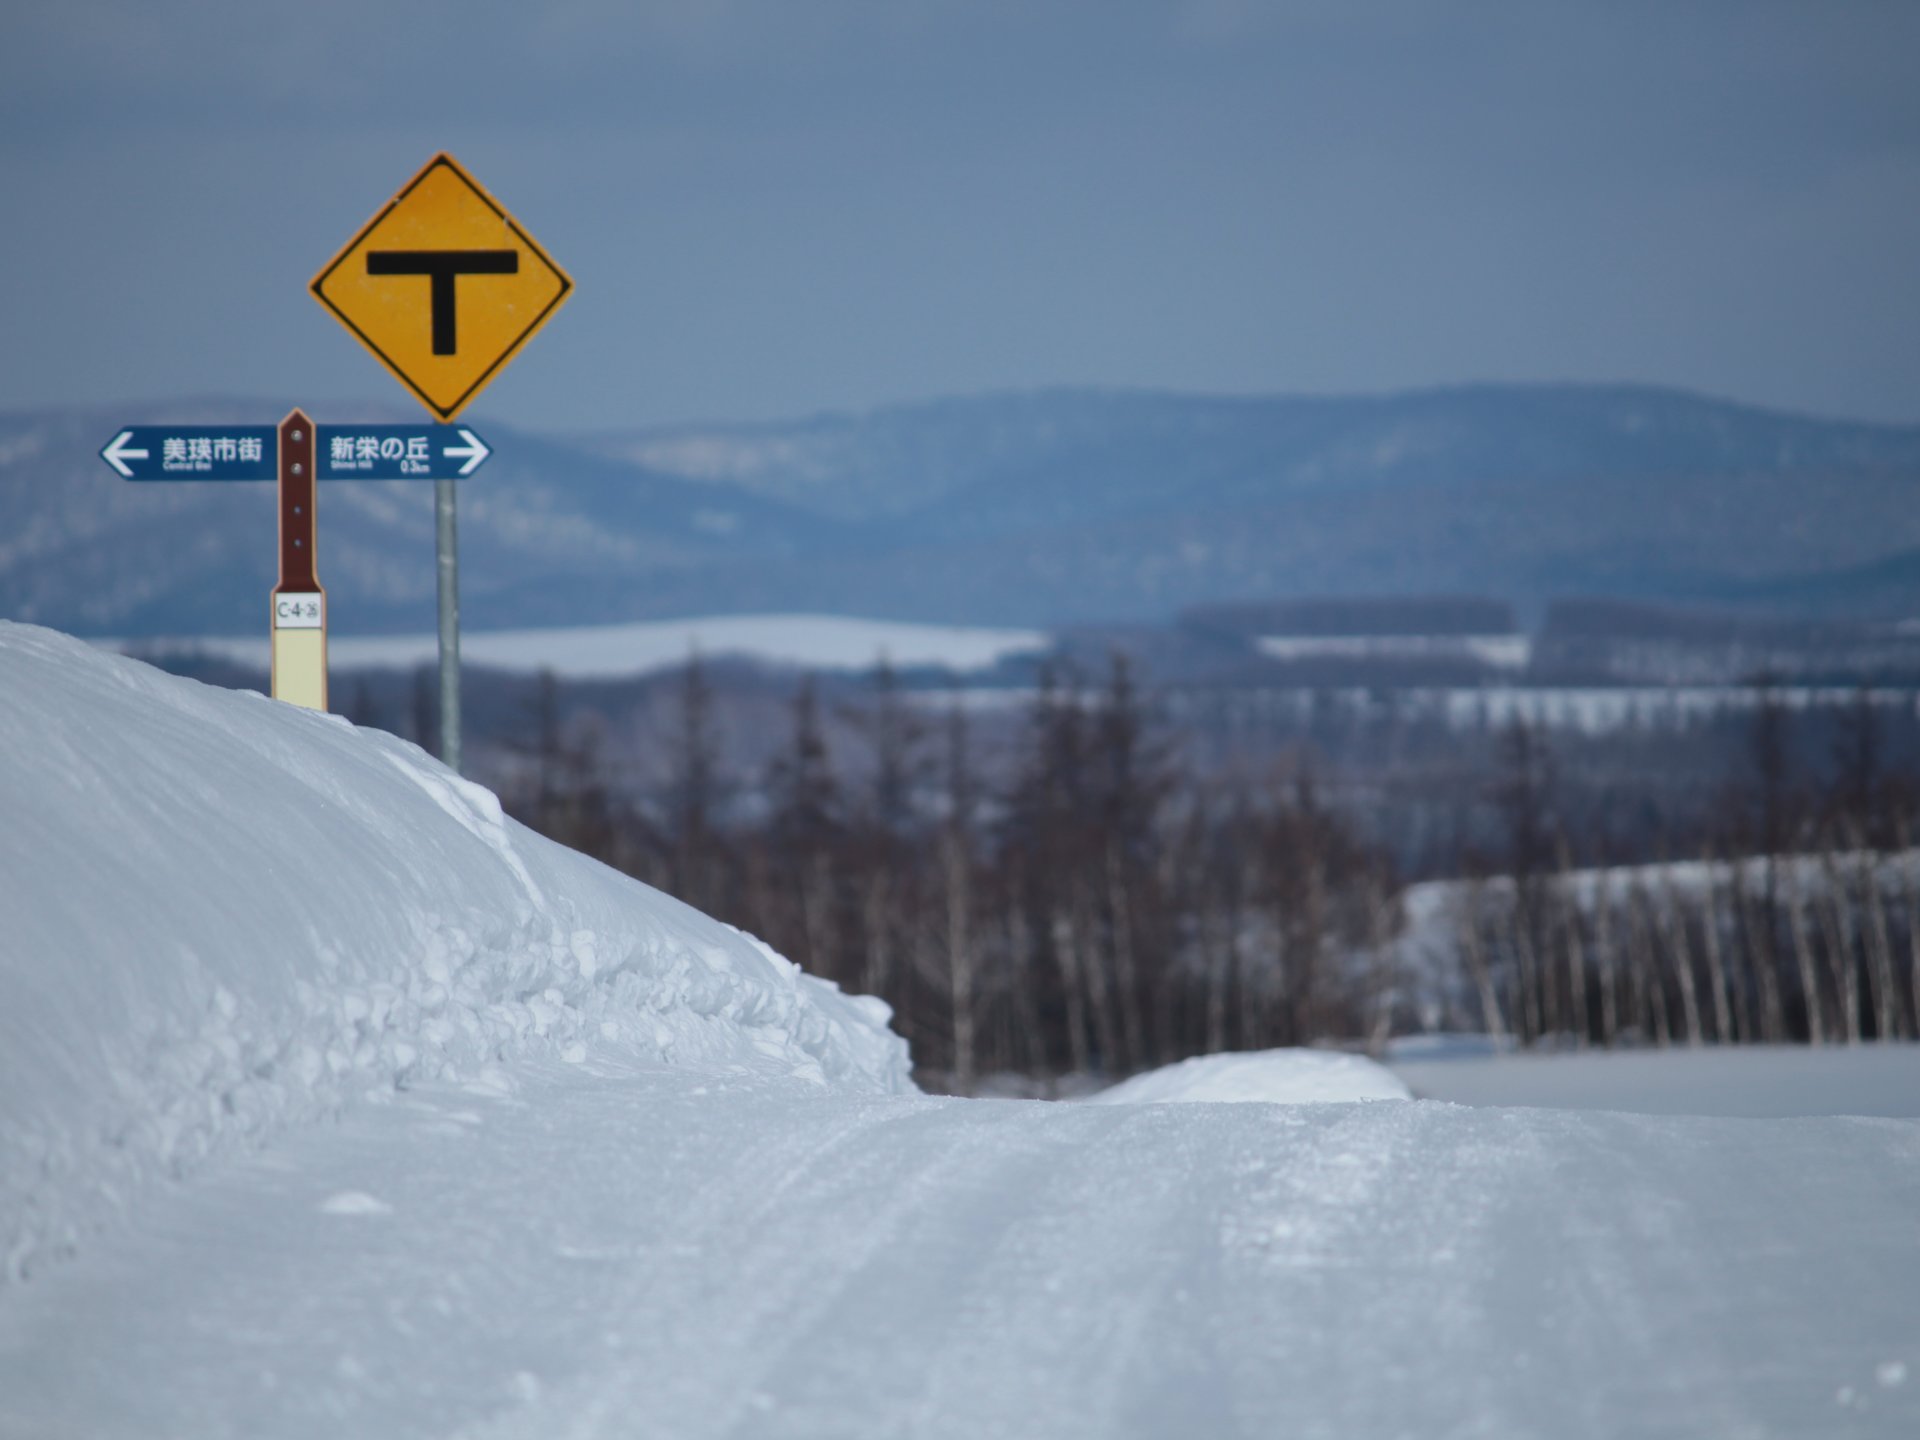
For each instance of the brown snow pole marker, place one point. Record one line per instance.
(299, 604)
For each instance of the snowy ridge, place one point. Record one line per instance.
(612, 652)
(225, 917)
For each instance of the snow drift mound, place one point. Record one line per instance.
(224, 915)
(1281, 1077)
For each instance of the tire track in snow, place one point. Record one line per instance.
(663, 1254)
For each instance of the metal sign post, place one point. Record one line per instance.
(443, 287)
(446, 555)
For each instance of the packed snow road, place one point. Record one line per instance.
(650, 1253)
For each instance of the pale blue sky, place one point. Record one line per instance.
(777, 206)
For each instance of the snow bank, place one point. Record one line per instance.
(224, 916)
(1280, 1077)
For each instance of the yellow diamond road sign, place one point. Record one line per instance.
(443, 286)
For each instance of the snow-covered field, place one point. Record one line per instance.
(1751, 1081)
(606, 652)
(333, 1103)
(1587, 709)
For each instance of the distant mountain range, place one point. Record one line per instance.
(1047, 508)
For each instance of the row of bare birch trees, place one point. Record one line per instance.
(1092, 908)
(1812, 933)
(1821, 947)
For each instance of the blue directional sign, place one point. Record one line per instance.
(250, 452)
(194, 452)
(398, 452)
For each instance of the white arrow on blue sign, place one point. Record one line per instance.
(194, 452)
(398, 452)
(249, 452)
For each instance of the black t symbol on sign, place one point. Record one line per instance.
(441, 266)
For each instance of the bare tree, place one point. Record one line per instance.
(1261, 970)
(1887, 1019)
(1642, 966)
(1020, 982)
(957, 897)
(880, 854)
(1910, 898)
(1723, 1026)
(1383, 979)
(1676, 928)
(1857, 752)
(1066, 952)
(1474, 947)
(1213, 933)
(1762, 963)
(1567, 903)
(1523, 793)
(1835, 926)
(1607, 958)
(1770, 762)
(1527, 965)
(895, 734)
(1803, 958)
(957, 869)
(693, 790)
(805, 827)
